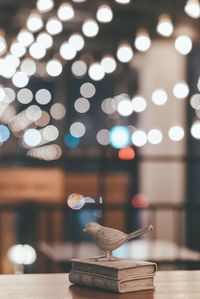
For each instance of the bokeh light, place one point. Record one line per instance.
(165, 26)
(25, 37)
(139, 104)
(54, 26)
(82, 105)
(75, 201)
(124, 53)
(77, 129)
(54, 68)
(50, 133)
(24, 96)
(22, 254)
(32, 137)
(4, 133)
(28, 66)
(90, 28)
(20, 79)
(195, 130)
(176, 133)
(37, 51)
(45, 40)
(154, 136)
(65, 12)
(58, 111)
(79, 68)
(96, 71)
(103, 137)
(195, 101)
(71, 141)
(126, 153)
(181, 90)
(142, 40)
(159, 97)
(125, 107)
(67, 51)
(139, 138)
(34, 22)
(77, 41)
(119, 136)
(44, 5)
(87, 90)
(183, 44)
(192, 9)
(109, 64)
(104, 14)
(43, 96)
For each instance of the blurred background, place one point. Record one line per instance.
(99, 121)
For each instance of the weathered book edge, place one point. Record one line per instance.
(106, 284)
(108, 272)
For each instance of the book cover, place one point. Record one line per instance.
(119, 269)
(119, 286)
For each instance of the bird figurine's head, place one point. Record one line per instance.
(91, 227)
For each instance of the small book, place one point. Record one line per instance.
(119, 286)
(121, 269)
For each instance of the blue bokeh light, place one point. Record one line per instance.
(120, 136)
(4, 133)
(71, 141)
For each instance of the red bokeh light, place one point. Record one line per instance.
(140, 201)
(126, 153)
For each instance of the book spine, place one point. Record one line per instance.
(95, 270)
(92, 281)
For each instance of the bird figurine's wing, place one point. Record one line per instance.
(110, 235)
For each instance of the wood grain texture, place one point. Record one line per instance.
(169, 284)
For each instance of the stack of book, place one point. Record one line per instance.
(120, 275)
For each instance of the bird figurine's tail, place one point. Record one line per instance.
(140, 232)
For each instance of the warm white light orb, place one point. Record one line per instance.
(54, 68)
(7, 68)
(24, 96)
(103, 137)
(65, 12)
(43, 96)
(104, 14)
(192, 9)
(124, 53)
(165, 26)
(181, 90)
(32, 137)
(44, 5)
(109, 64)
(25, 37)
(12, 60)
(20, 79)
(107, 107)
(139, 138)
(54, 26)
(176, 133)
(37, 51)
(33, 113)
(159, 97)
(154, 136)
(125, 107)
(195, 101)
(142, 41)
(79, 68)
(90, 28)
(87, 90)
(17, 49)
(28, 66)
(67, 51)
(77, 129)
(183, 44)
(58, 111)
(50, 133)
(195, 130)
(77, 41)
(139, 104)
(96, 71)
(45, 40)
(82, 105)
(34, 22)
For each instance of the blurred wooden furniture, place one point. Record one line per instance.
(169, 284)
(164, 253)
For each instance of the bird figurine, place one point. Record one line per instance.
(109, 239)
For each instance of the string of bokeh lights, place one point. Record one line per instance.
(122, 104)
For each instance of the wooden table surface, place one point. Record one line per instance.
(169, 285)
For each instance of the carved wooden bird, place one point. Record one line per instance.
(109, 239)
